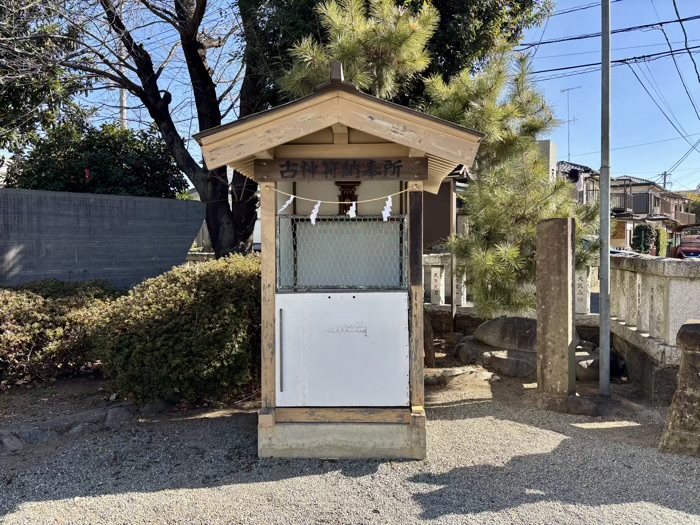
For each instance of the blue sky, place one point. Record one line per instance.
(635, 118)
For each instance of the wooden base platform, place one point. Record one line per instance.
(342, 433)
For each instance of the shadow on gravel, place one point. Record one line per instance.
(151, 457)
(558, 476)
(577, 472)
(213, 452)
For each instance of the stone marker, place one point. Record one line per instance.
(682, 435)
(556, 341)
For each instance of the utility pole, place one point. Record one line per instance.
(123, 117)
(568, 120)
(665, 176)
(604, 335)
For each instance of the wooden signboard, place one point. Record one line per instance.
(403, 168)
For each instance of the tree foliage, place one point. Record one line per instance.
(468, 32)
(661, 242)
(33, 102)
(643, 238)
(471, 30)
(513, 191)
(179, 61)
(381, 46)
(76, 156)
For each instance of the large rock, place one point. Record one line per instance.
(10, 443)
(512, 363)
(588, 370)
(443, 376)
(470, 351)
(509, 333)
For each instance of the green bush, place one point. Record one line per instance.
(38, 338)
(661, 242)
(191, 333)
(643, 238)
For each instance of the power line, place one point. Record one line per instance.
(660, 94)
(685, 156)
(678, 16)
(660, 108)
(528, 45)
(675, 63)
(638, 146)
(614, 49)
(641, 58)
(580, 8)
(537, 48)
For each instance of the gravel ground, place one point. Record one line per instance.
(490, 460)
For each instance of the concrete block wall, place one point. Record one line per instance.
(80, 236)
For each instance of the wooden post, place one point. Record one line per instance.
(453, 260)
(268, 289)
(415, 264)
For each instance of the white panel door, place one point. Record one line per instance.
(342, 349)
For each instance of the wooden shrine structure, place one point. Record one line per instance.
(342, 176)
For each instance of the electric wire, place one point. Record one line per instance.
(675, 63)
(661, 109)
(680, 21)
(527, 45)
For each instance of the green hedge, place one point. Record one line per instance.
(661, 242)
(39, 337)
(191, 333)
(643, 238)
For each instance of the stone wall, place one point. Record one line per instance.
(80, 236)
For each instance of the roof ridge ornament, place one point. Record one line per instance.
(337, 80)
(337, 72)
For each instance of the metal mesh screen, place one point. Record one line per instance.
(340, 252)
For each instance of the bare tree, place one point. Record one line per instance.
(180, 60)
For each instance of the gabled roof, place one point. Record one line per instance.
(237, 144)
(565, 167)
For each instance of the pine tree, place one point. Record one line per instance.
(381, 46)
(385, 46)
(513, 191)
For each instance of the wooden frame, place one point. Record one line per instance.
(268, 287)
(415, 273)
(341, 110)
(347, 169)
(342, 415)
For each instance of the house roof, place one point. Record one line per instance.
(627, 179)
(237, 144)
(565, 167)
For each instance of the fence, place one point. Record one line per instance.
(654, 296)
(438, 274)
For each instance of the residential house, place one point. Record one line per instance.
(635, 200)
(586, 180)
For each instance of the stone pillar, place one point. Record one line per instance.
(437, 285)
(556, 345)
(583, 291)
(682, 435)
(614, 293)
(460, 291)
